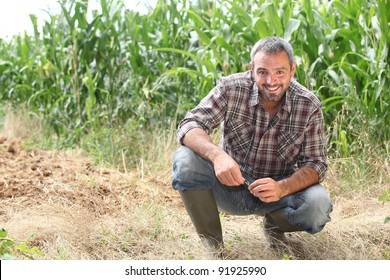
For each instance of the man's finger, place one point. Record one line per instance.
(237, 178)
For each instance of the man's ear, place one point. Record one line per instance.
(293, 68)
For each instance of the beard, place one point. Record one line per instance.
(268, 94)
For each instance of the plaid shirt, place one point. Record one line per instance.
(262, 147)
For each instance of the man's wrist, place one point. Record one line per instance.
(214, 152)
(284, 187)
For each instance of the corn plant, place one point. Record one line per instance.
(114, 67)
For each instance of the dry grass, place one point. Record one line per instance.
(71, 209)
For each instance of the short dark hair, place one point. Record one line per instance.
(272, 45)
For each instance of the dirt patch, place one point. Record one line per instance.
(39, 177)
(67, 178)
(52, 197)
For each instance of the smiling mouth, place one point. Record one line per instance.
(272, 88)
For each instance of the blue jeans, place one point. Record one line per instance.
(308, 209)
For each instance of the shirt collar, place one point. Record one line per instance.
(290, 95)
(254, 100)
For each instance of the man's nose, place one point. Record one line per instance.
(269, 79)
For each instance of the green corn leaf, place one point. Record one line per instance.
(309, 11)
(197, 19)
(207, 63)
(343, 9)
(292, 26)
(274, 20)
(262, 27)
(334, 76)
(203, 37)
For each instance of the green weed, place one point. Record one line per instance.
(11, 248)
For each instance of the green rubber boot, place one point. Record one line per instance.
(275, 225)
(203, 211)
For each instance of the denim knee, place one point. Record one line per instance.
(190, 171)
(310, 209)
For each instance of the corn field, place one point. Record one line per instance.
(84, 71)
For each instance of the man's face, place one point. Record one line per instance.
(272, 73)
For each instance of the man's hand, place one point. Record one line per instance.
(227, 170)
(267, 190)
